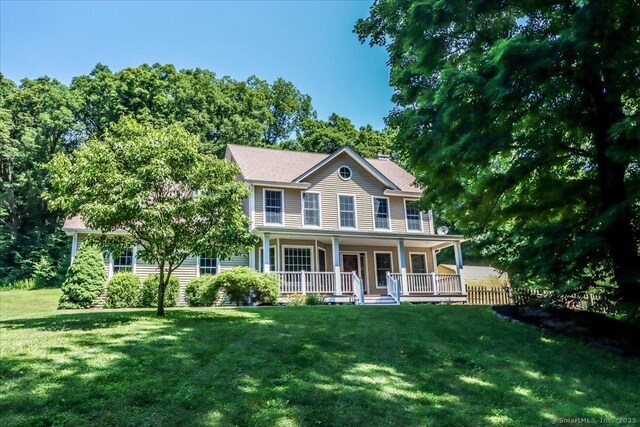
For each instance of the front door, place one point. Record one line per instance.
(352, 262)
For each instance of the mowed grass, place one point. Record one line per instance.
(289, 366)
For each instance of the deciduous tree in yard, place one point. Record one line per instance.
(523, 119)
(153, 183)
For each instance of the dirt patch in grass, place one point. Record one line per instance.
(598, 329)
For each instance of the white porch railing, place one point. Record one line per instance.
(430, 283)
(358, 288)
(303, 282)
(448, 283)
(393, 287)
(347, 282)
(320, 283)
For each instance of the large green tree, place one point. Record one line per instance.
(328, 136)
(522, 118)
(154, 184)
(37, 120)
(218, 110)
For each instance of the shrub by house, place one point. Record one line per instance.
(150, 291)
(85, 279)
(246, 286)
(123, 291)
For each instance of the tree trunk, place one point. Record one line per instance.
(11, 205)
(161, 288)
(618, 231)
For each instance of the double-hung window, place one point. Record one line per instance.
(297, 259)
(208, 264)
(347, 205)
(322, 260)
(273, 207)
(381, 213)
(311, 209)
(418, 263)
(124, 262)
(383, 266)
(413, 216)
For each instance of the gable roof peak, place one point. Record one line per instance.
(358, 158)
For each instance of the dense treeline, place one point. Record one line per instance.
(42, 117)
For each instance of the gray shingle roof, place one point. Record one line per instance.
(268, 164)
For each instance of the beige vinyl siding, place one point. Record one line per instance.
(292, 206)
(236, 261)
(362, 185)
(327, 182)
(184, 273)
(187, 271)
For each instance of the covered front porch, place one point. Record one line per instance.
(359, 267)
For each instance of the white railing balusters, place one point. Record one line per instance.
(394, 285)
(305, 282)
(430, 283)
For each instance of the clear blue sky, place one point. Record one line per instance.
(309, 43)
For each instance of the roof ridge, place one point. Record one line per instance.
(255, 147)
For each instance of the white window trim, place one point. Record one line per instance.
(375, 265)
(406, 220)
(264, 206)
(261, 258)
(350, 172)
(110, 265)
(426, 261)
(318, 258)
(311, 251)
(355, 211)
(373, 212)
(134, 253)
(198, 266)
(134, 258)
(302, 193)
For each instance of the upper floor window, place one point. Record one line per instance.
(347, 205)
(208, 265)
(414, 217)
(124, 262)
(381, 213)
(311, 209)
(273, 206)
(345, 172)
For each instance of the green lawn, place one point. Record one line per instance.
(407, 365)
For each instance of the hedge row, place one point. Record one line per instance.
(86, 278)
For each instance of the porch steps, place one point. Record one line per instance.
(379, 300)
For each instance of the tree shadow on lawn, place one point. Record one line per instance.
(417, 365)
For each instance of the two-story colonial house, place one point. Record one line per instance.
(337, 224)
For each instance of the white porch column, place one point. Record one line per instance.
(336, 264)
(252, 207)
(74, 247)
(266, 261)
(134, 259)
(457, 249)
(402, 262)
(252, 258)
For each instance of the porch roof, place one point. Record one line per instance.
(363, 237)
